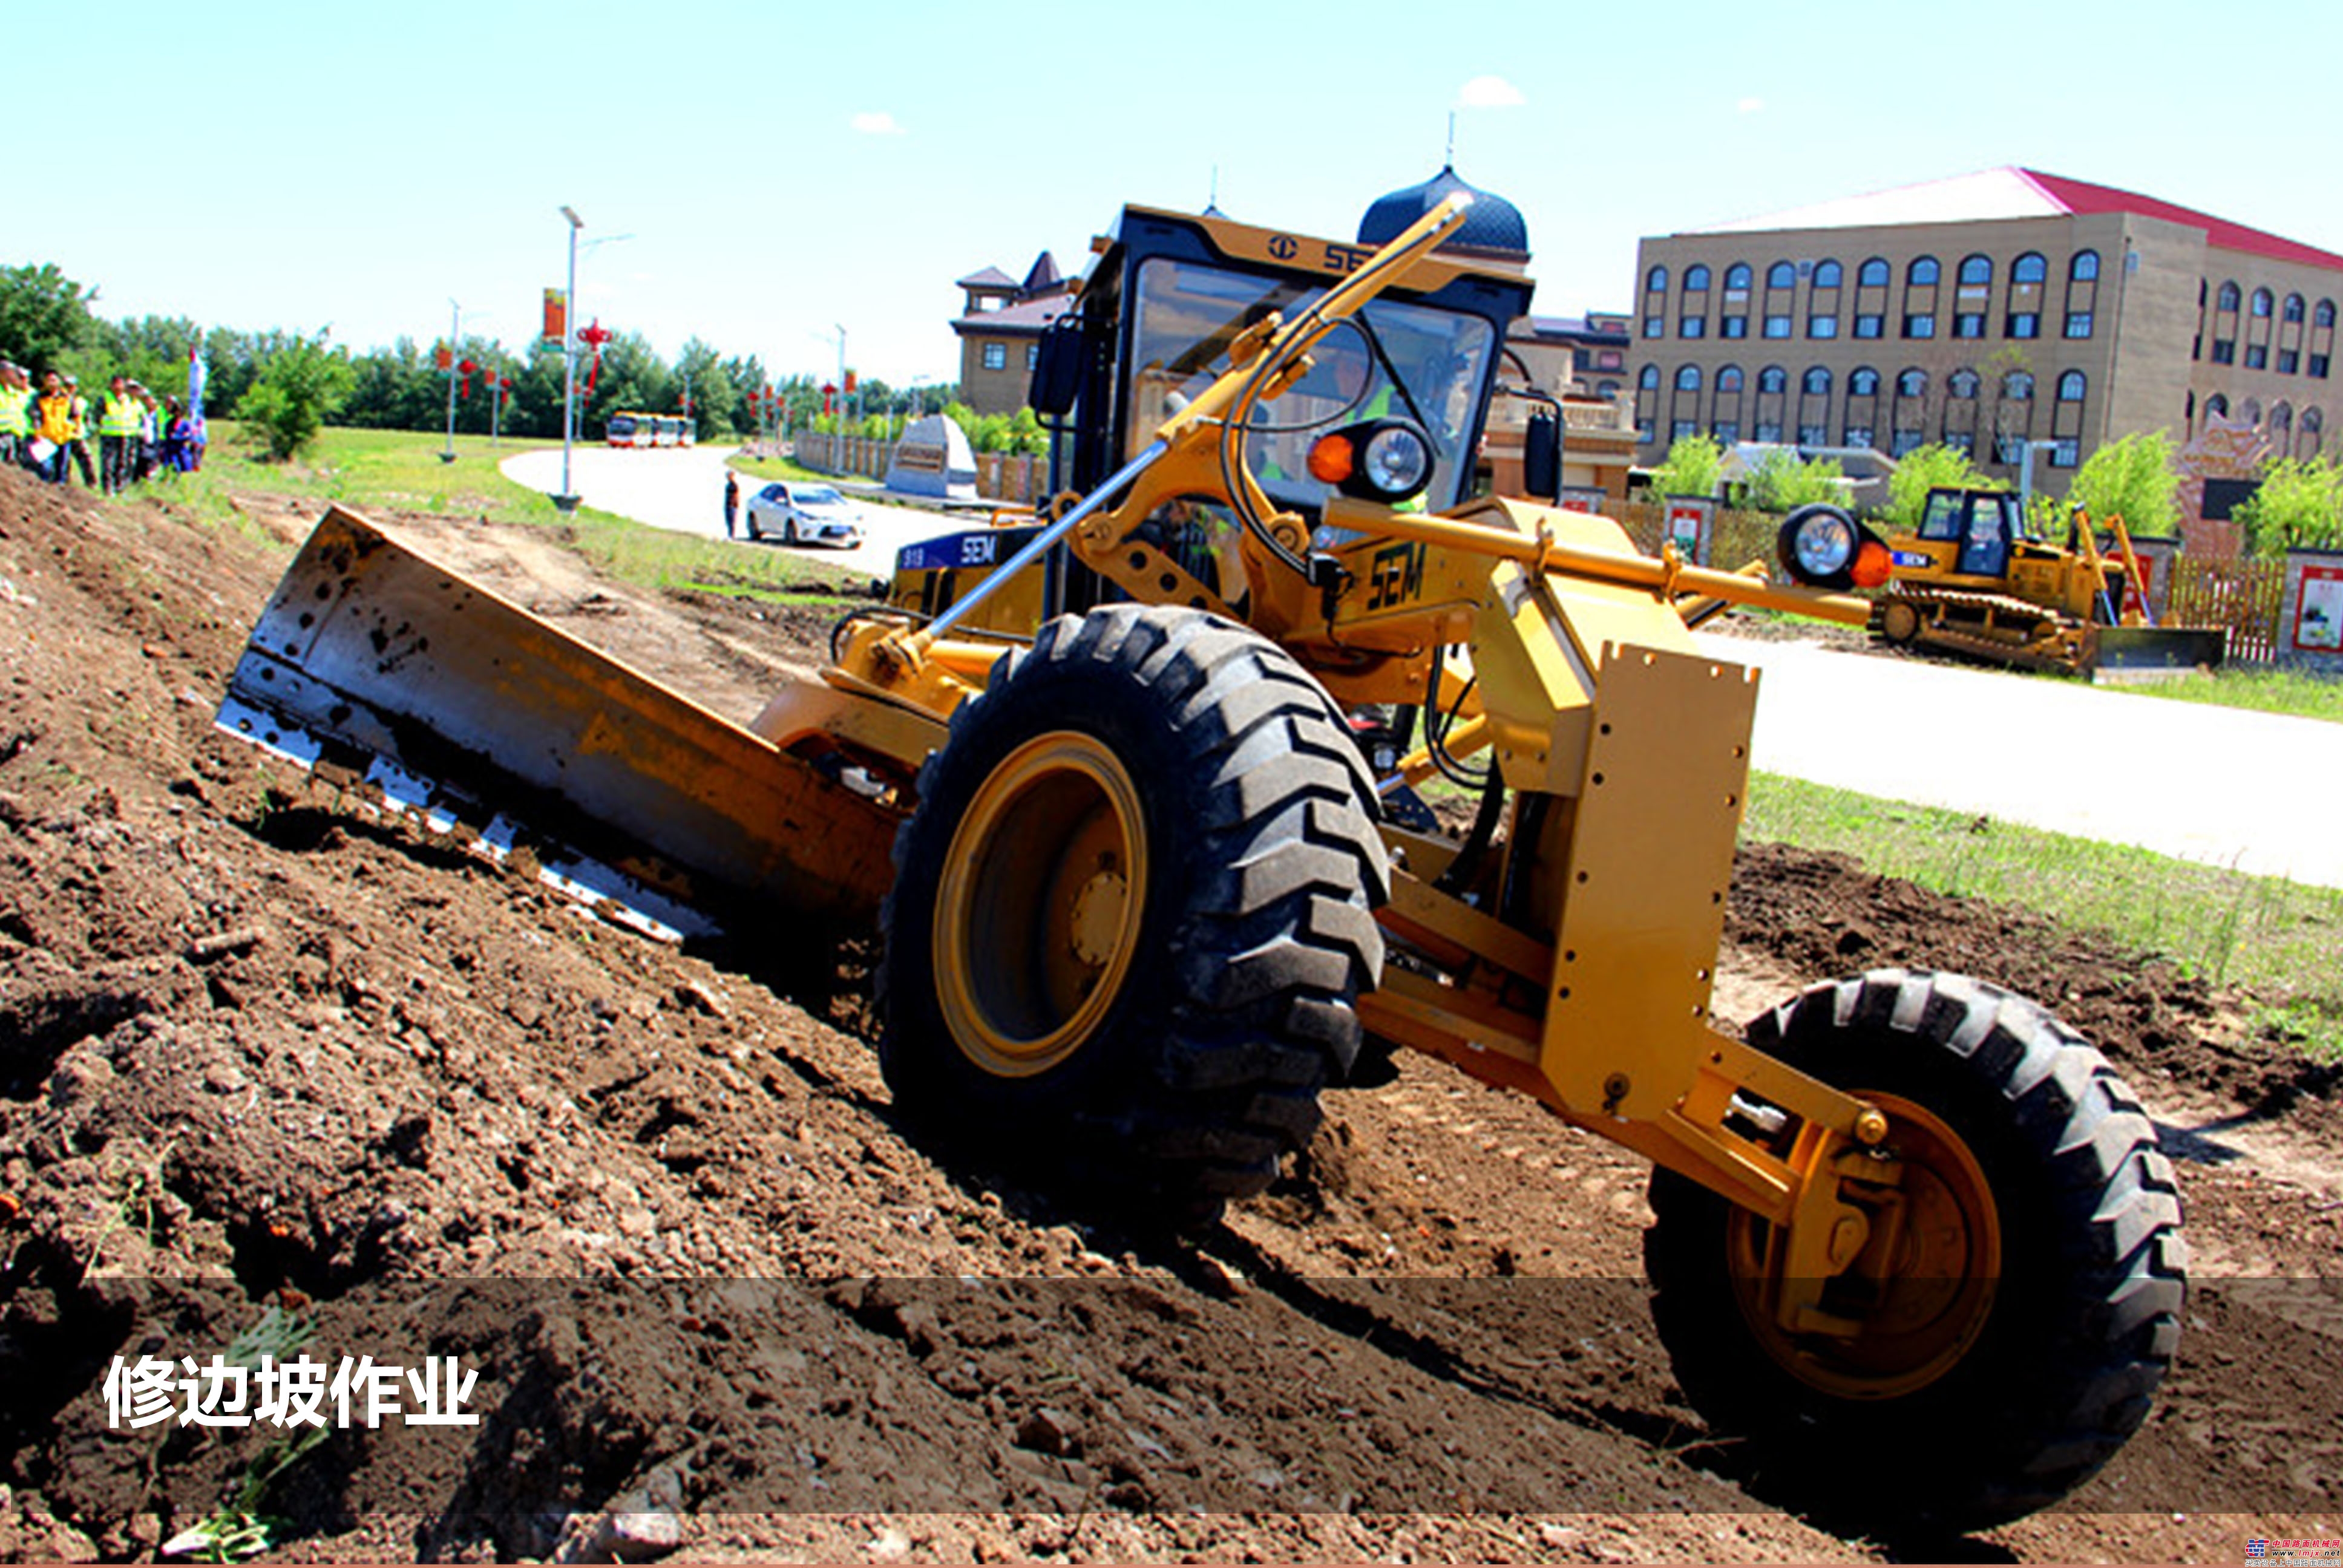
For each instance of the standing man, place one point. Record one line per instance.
(52, 427)
(731, 501)
(15, 413)
(117, 436)
(78, 447)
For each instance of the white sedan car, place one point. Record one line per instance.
(803, 514)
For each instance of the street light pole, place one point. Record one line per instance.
(567, 499)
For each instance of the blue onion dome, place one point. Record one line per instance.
(1493, 230)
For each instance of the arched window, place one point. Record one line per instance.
(1827, 275)
(1817, 382)
(2028, 268)
(2018, 386)
(1781, 275)
(2293, 308)
(1688, 378)
(1872, 274)
(2313, 431)
(1648, 379)
(1772, 378)
(2085, 267)
(1695, 279)
(2282, 423)
(1923, 271)
(2263, 301)
(2216, 406)
(2252, 411)
(2229, 296)
(1863, 383)
(1737, 275)
(2323, 314)
(1963, 383)
(1606, 390)
(1728, 380)
(1976, 270)
(2070, 387)
(1656, 281)
(1912, 384)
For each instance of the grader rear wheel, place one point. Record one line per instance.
(1133, 910)
(2015, 1333)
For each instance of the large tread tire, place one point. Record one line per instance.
(1256, 934)
(2084, 1317)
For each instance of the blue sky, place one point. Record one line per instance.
(784, 170)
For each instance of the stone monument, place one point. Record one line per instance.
(933, 458)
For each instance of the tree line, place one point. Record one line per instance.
(45, 323)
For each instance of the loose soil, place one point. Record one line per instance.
(257, 1050)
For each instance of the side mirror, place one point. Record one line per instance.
(1057, 370)
(1541, 457)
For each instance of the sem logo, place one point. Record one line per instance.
(1395, 576)
(1283, 247)
(975, 549)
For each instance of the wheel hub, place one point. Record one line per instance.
(1038, 913)
(1921, 1285)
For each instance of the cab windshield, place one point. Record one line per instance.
(1394, 360)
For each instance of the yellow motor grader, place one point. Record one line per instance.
(1974, 578)
(1091, 777)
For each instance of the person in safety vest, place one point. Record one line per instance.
(15, 413)
(78, 447)
(53, 428)
(117, 436)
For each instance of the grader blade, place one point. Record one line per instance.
(379, 669)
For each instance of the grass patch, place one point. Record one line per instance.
(783, 468)
(2287, 691)
(2277, 937)
(401, 470)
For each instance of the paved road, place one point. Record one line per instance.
(683, 489)
(2255, 791)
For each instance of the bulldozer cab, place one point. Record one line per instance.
(1981, 525)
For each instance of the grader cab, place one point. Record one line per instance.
(1144, 903)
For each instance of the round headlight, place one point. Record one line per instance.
(1397, 462)
(1817, 545)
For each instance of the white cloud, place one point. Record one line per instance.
(1488, 93)
(880, 124)
(1749, 107)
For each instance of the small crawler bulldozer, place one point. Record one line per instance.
(1975, 579)
(1092, 778)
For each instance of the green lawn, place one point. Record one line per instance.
(2253, 687)
(402, 470)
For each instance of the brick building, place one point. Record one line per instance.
(1981, 311)
(999, 328)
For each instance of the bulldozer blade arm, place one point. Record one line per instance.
(2119, 653)
(377, 669)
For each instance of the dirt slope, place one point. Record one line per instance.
(256, 1051)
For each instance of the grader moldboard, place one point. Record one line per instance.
(1092, 778)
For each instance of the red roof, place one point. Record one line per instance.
(2085, 199)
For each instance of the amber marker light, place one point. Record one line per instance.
(1873, 565)
(1332, 458)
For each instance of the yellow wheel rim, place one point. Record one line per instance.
(1923, 1288)
(1036, 918)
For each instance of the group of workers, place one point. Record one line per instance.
(48, 430)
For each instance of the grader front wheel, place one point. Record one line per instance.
(1133, 910)
(2026, 1298)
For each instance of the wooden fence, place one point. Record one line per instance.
(2244, 596)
